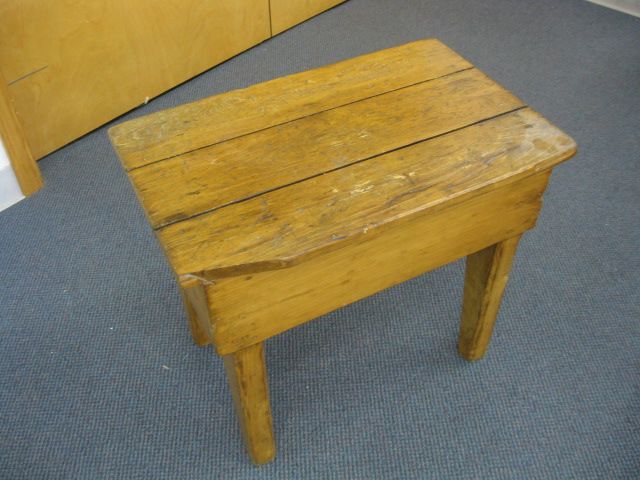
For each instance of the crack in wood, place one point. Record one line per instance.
(27, 75)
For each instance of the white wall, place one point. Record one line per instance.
(632, 7)
(10, 192)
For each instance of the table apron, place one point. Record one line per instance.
(248, 309)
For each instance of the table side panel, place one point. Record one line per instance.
(251, 308)
(195, 300)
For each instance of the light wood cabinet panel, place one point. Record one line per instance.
(72, 66)
(22, 162)
(287, 13)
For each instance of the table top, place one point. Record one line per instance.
(266, 176)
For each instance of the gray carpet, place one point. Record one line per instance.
(100, 379)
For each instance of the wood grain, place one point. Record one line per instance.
(195, 302)
(250, 308)
(184, 186)
(240, 112)
(285, 201)
(287, 226)
(486, 277)
(15, 144)
(74, 65)
(247, 374)
(287, 13)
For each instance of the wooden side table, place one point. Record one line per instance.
(280, 202)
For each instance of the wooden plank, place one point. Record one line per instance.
(15, 144)
(239, 112)
(286, 226)
(287, 13)
(73, 66)
(193, 183)
(250, 308)
(485, 279)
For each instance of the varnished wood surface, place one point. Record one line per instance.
(274, 197)
(74, 65)
(284, 201)
(246, 309)
(486, 277)
(15, 144)
(247, 375)
(189, 184)
(241, 112)
(286, 226)
(287, 13)
(196, 307)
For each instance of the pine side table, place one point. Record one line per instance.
(283, 201)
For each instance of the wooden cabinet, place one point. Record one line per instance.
(72, 66)
(287, 13)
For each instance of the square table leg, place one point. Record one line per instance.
(486, 276)
(199, 335)
(247, 375)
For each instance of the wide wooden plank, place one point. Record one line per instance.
(74, 65)
(287, 13)
(239, 112)
(285, 226)
(247, 309)
(193, 183)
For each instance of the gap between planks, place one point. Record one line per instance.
(300, 118)
(280, 187)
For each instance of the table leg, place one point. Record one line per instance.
(485, 279)
(247, 375)
(199, 335)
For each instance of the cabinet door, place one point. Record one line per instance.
(73, 65)
(287, 13)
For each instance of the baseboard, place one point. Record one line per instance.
(632, 7)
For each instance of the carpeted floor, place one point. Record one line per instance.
(99, 378)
